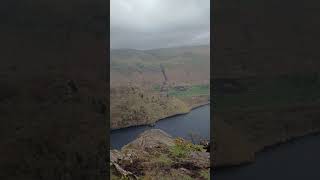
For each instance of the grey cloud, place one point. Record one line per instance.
(148, 24)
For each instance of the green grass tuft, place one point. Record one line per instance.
(195, 90)
(182, 148)
(205, 174)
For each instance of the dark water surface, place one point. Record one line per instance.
(296, 160)
(197, 121)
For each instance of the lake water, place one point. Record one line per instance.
(296, 160)
(197, 122)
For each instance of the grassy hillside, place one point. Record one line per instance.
(132, 106)
(136, 78)
(182, 65)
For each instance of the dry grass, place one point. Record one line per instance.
(133, 106)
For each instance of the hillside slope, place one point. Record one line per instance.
(131, 106)
(136, 78)
(183, 65)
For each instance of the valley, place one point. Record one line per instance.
(150, 85)
(153, 92)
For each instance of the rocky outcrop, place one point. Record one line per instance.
(151, 139)
(156, 155)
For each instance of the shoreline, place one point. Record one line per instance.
(170, 116)
(199, 105)
(269, 148)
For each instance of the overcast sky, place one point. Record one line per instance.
(150, 24)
